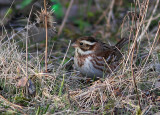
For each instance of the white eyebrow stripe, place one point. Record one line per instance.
(89, 43)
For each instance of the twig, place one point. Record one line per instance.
(8, 11)
(134, 77)
(46, 35)
(27, 43)
(132, 70)
(104, 14)
(158, 41)
(101, 17)
(153, 44)
(18, 107)
(64, 57)
(132, 51)
(65, 18)
(108, 66)
(27, 49)
(137, 32)
(68, 95)
(149, 21)
(97, 5)
(154, 18)
(110, 12)
(1, 22)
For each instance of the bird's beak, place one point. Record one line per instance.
(74, 45)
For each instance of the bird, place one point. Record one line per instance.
(96, 59)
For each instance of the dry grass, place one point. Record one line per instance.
(133, 89)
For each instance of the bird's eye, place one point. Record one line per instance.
(81, 43)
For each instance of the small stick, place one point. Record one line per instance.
(64, 57)
(27, 43)
(110, 12)
(27, 50)
(101, 17)
(65, 18)
(46, 36)
(149, 21)
(134, 78)
(18, 107)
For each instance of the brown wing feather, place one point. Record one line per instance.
(122, 42)
(112, 53)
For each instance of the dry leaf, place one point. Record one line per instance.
(22, 82)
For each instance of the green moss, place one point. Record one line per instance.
(20, 99)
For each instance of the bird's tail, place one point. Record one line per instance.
(122, 42)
